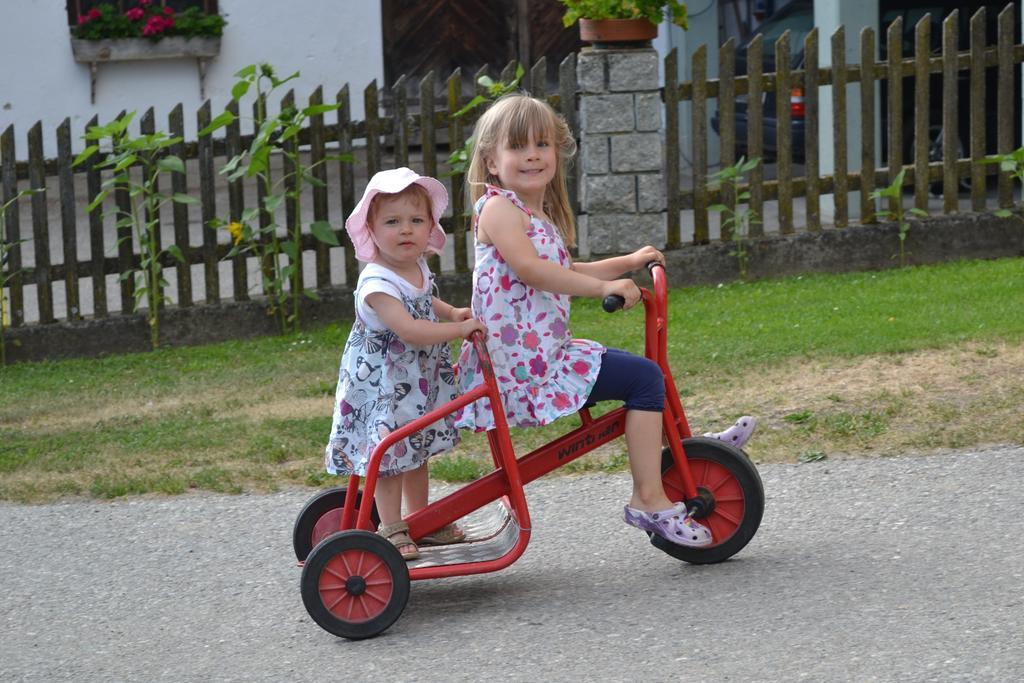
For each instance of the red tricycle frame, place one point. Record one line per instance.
(512, 474)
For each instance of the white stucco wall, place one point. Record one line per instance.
(331, 42)
(704, 30)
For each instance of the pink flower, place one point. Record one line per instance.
(168, 11)
(135, 13)
(83, 19)
(531, 341)
(561, 401)
(94, 14)
(154, 26)
(538, 366)
(558, 328)
(508, 335)
(145, 3)
(581, 367)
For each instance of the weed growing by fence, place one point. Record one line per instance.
(6, 276)
(1012, 163)
(149, 152)
(282, 281)
(894, 191)
(458, 160)
(734, 221)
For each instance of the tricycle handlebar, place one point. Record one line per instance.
(614, 302)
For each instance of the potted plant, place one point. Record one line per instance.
(622, 21)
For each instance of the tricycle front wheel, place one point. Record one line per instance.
(730, 498)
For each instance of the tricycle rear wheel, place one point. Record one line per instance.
(730, 501)
(355, 584)
(320, 517)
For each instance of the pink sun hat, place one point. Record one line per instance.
(393, 182)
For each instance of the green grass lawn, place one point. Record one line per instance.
(255, 414)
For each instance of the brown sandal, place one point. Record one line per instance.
(398, 534)
(446, 535)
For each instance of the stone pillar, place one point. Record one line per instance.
(621, 150)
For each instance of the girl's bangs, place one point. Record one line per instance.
(529, 117)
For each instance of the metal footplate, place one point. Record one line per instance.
(490, 533)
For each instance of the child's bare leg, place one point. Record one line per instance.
(417, 495)
(643, 439)
(415, 488)
(649, 504)
(388, 498)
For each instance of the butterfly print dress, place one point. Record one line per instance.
(384, 383)
(542, 372)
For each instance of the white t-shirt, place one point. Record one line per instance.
(392, 284)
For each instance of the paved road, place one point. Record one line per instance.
(907, 569)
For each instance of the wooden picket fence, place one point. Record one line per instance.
(398, 130)
(812, 184)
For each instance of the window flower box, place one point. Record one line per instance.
(94, 52)
(129, 49)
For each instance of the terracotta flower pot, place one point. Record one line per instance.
(617, 32)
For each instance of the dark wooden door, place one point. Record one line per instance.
(420, 35)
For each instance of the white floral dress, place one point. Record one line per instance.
(384, 383)
(542, 372)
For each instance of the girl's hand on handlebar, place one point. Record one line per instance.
(625, 288)
(641, 257)
(459, 314)
(468, 327)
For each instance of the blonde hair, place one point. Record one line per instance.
(511, 120)
(414, 189)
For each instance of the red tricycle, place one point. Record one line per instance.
(355, 583)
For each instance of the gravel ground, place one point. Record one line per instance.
(907, 569)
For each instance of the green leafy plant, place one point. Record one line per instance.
(193, 23)
(146, 19)
(149, 153)
(6, 247)
(799, 417)
(1012, 163)
(736, 221)
(651, 10)
(267, 240)
(458, 160)
(894, 192)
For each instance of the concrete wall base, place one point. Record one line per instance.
(859, 248)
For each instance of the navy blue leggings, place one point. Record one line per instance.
(634, 379)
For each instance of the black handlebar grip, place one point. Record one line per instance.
(613, 302)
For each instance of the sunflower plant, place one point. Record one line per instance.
(149, 153)
(277, 247)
